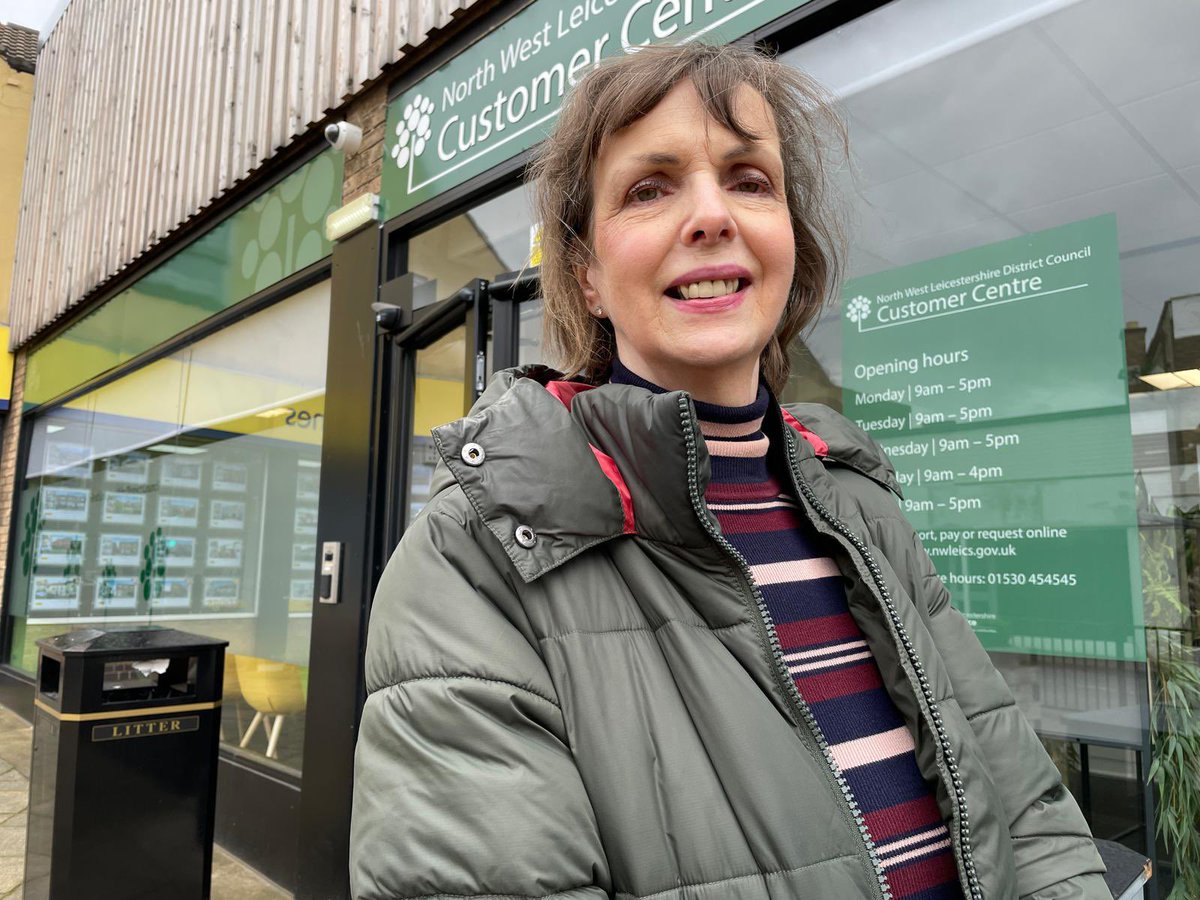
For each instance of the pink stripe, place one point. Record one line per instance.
(794, 570)
(913, 854)
(866, 750)
(822, 651)
(829, 663)
(747, 449)
(892, 846)
(730, 429)
(763, 504)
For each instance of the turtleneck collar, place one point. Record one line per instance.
(730, 432)
(715, 420)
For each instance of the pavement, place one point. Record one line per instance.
(231, 879)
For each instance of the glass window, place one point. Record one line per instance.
(1026, 190)
(185, 495)
(489, 239)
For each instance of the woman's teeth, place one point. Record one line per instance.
(700, 290)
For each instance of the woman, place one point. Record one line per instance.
(656, 636)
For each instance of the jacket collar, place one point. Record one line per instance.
(630, 456)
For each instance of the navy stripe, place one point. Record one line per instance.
(822, 597)
(846, 718)
(887, 782)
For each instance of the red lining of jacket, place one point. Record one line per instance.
(819, 446)
(566, 391)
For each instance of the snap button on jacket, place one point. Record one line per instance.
(597, 712)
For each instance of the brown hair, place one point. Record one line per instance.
(616, 94)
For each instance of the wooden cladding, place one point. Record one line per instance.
(145, 111)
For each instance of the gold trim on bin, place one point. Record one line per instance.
(123, 713)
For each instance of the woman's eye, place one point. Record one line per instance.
(753, 184)
(644, 193)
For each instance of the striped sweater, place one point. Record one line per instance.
(825, 651)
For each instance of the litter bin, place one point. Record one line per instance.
(123, 778)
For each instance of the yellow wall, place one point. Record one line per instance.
(16, 98)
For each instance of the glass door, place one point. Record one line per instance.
(442, 364)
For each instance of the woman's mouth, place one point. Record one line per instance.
(708, 290)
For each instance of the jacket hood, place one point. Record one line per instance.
(631, 457)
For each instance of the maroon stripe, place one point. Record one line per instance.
(725, 491)
(839, 682)
(781, 519)
(821, 630)
(903, 817)
(922, 874)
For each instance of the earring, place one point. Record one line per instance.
(599, 310)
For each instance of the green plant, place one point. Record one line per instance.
(1175, 770)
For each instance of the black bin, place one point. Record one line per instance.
(123, 778)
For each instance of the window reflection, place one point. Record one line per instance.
(185, 495)
(978, 122)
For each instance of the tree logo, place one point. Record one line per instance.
(412, 131)
(154, 556)
(858, 308)
(29, 533)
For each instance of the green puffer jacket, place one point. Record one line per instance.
(573, 692)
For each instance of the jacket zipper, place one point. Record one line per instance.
(783, 679)
(934, 716)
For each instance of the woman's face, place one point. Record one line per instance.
(692, 243)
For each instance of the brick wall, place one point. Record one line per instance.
(364, 167)
(8, 467)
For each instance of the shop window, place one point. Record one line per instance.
(185, 495)
(1019, 329)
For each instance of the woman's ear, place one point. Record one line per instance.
(583, 275)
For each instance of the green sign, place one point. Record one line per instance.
(995, 379)
(274, 236)
(501, 96)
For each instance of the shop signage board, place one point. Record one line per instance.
(995, 379)
(502, 95)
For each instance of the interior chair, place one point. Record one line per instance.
(274, 690)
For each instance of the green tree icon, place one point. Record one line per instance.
(154, 555)
(29, 531)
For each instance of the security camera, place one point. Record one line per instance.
(343, 136)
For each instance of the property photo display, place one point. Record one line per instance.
(229, 477)
(176, 551)
(65, 504)
(127, 468)
(54, 593)
(67, 460)
(182, 512)
(227, 514)
(116, 592)
(222, 592)
(60, 548)
(224, 552)
(180, 473)
(171, 593)
(120, 550)
(124, 508)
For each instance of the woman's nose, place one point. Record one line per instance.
(709, 218)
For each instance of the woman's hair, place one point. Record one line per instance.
(617, 93)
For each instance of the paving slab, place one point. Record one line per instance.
(12, 840)
(12, 872)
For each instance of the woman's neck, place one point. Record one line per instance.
(745, 411)
(717, 387)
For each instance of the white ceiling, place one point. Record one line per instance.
(973, 121)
